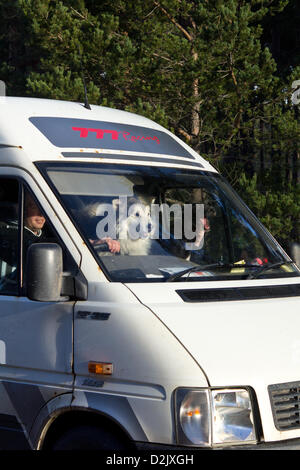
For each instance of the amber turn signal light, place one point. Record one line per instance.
(103, 368)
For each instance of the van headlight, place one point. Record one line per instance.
(208, 417)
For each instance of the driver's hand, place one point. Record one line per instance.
(113, 245)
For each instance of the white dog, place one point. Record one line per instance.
(129, 221)
(135, 226)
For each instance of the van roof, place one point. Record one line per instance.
(55, 130)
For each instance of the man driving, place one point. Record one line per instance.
(33, 232)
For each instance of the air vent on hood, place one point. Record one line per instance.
(238, 293)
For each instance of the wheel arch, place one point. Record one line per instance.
(67, 419)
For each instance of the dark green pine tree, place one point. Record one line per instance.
(17, 57)
(197, 66)
(274, 193)
(206, 70)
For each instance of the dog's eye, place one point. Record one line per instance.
(137, 214)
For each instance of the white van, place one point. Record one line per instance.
(185, 336)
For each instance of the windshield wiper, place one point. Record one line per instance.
(176, 276)
(266, 267)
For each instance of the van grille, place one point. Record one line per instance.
(285, 402)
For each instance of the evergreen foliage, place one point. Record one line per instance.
(218, 73)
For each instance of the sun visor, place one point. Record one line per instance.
(82, 133)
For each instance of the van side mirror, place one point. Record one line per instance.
(44, 270)
(295, 253)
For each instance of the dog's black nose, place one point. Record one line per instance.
(149, 227)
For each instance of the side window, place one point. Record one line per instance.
(34, 224)
(36, 229)
(9, 236)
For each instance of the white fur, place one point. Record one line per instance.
(135, 228)
(138, 213)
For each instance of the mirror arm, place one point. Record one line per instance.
(295, 253)
(74, 287)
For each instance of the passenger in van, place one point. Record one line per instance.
(33, 232)
(34, 222)
(191, 250)
(200, 235)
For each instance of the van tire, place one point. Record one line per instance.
(89, 437)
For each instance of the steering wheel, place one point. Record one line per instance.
(101, 248)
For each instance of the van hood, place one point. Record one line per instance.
(234, 342)
(252, 343)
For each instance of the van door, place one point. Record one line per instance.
(35, 337)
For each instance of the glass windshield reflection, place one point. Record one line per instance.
(153, 224)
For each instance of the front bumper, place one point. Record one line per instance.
(291, 444)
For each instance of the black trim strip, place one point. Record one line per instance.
(239, 293)
(130, 157)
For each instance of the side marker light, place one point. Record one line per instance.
(103, 368)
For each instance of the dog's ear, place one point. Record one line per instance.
(151, 200)
(148, 200)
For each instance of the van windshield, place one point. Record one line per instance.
(158, 224)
